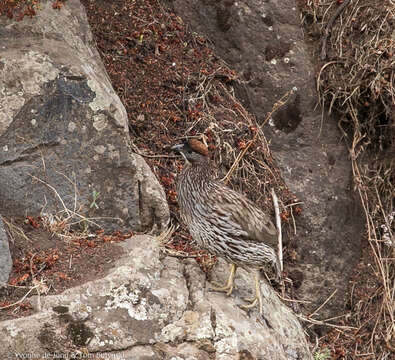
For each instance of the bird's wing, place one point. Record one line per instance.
(242, 213)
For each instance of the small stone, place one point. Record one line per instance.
(72, 126)
(100, 149)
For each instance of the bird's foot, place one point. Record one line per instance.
(229, 285)
(256, 300)
(250, 300)
(226, 288)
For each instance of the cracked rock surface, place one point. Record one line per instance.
(62, 125)
(149, 307)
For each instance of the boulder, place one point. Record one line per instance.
(5, 256)
(64, 142)
(155, 307)
(264, 41)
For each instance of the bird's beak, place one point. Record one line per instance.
(177, 147)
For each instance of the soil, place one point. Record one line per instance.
(58, 263)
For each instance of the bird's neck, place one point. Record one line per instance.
(196, 174)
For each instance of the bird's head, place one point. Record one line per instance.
(193, 151)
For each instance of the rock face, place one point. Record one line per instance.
(149, 307)
(5, 256)
(64, 143)
(264, 41)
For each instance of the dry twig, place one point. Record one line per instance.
(278, 225)
(329, 26)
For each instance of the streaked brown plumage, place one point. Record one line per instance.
(222, 221)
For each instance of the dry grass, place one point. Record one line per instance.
(359, 73)
(68, 223)
(356, 82)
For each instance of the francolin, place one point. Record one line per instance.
(223, 221)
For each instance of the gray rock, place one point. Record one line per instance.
(64, 142)
(264, 41)
(5, 256)
(153, 308)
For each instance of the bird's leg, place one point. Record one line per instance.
(257, 300)
(229, 285)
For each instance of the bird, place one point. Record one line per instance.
(224, 222)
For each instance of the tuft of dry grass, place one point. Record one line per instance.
(358, 74)
(356, 82)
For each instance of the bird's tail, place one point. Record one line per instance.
(273, 269)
